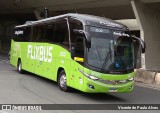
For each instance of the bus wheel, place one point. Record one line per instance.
(62, 81)
(19, 67)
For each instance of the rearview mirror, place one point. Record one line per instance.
(87, 36)
(141, 42)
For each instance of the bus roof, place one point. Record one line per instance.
(86, 19)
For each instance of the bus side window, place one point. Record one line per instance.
(21, 34)
(15, 35)
(38, 33)
(27, 34)
(49, 32)
(61, 33)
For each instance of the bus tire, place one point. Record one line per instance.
(62, 81)
(19, 67)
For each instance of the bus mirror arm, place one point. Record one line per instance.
(143, 45)
(87, 36)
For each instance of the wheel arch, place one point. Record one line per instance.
(58, 71)
(19, 60)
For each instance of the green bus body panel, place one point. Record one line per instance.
(45, 59)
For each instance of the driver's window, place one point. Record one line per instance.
(77, 42)
(79, 47)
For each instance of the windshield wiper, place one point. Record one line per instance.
(108, 56)
(98, 54)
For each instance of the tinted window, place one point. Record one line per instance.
(77, 43)
(61, 33)
(49, 33)
(43, 33)
(38, 33)
(21, 34)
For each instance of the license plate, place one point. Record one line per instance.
(112, 90)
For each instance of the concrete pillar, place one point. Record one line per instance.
(149, 22)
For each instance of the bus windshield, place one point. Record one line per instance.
(111, 50)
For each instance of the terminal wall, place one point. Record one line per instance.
(6, 31)
(7, 24)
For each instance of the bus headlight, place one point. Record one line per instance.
(93, 77)
(88, 75)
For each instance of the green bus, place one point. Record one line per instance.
(88, 53)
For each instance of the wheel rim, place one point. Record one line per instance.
(63, 81)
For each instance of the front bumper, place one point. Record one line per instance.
(92, 86)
